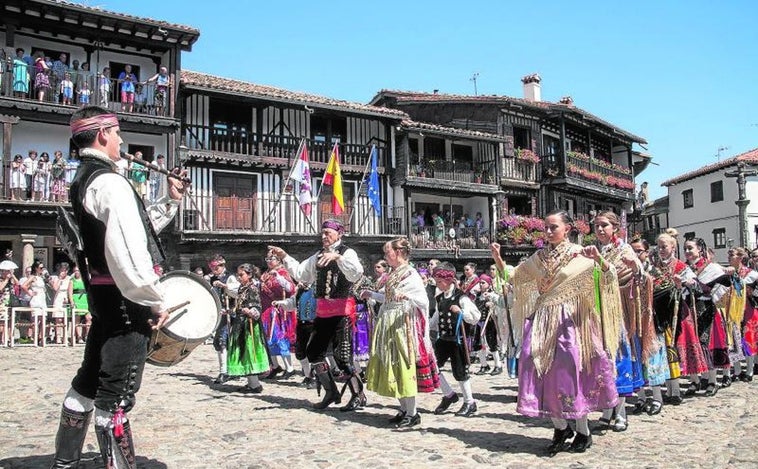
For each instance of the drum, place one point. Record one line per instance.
(188, 325)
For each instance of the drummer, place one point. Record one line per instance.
(120, 250)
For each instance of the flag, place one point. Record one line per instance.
(333, 177)
(301, 174)
(373, 184)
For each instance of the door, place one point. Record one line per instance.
(234, 202)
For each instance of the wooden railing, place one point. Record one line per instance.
(520, 170)
(431, 237)
(584, 167)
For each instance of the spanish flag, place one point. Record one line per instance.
(333, 178)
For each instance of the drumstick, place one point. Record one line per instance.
(173, 309)
(177, 307)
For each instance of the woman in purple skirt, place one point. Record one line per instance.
(568, 299)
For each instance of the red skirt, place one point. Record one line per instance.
(750, 331)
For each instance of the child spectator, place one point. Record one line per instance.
(67, 89)
(40, 181)
(18, 177)
(41, 77)
(104, 87)
(84, 94)
(140, 100)
(59, 177)
(127, 80)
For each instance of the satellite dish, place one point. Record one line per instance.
(451, 233)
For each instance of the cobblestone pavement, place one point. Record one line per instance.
(183, 421)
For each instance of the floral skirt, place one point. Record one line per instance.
(657, 366)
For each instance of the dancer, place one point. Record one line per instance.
(454, 311)
(279, 323)
(120, 249)
(401, 363)
(565, 372)
(486, 334)
(509, 333)
(246, 347)
(225, 285)
(332, 270)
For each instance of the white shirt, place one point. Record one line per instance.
(110, 198)
(305, 272)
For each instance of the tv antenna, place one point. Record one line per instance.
(719, 150)
(473, 78)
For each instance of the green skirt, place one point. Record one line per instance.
(246, 350)
(392, 366)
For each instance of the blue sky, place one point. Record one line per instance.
(682, 74)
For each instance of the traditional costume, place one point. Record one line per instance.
(486, 332)
(335, 316)
(226, 295)
(570, 308)
(402, 362)
(508, 333)
(279, 323)
(750, 325)
(246, 347)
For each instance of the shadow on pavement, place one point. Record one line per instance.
(89, 460)
(496, 442)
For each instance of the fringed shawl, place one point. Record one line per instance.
(572, 289)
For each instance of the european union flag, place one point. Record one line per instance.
(373, 184)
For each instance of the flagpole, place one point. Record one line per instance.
(284, 187)
(321, 186)
(360, 186)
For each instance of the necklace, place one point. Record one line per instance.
(553, 261)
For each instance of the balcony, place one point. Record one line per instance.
(260, 215)
(451, 171)
(516, 169)
(102, 91)
(582, 166)
(238, 141)
(438, 238)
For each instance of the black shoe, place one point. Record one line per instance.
(272, 374)
(559, 440)
(640, 407)
(745, 378)
(654, 408)
(618, 425)
(467, 410)
(356, 402)
(711, 390)
(221, 378)
(498, 370)
(289, 374)
(247, 389)
(308, 383)
(692, 389)
(726, 381)
(580, 443)
(409, 421)
(675, 400)
(484, 370)
(398, 417)
(446, 403)
(604, 425)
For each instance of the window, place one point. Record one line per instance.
(688, 198)
(719, 238)
(717, 191)
(522, 138)
(550, 146)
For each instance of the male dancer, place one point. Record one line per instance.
(120, 248)
(304, 302)
(225, 285)
(454, 311)
(486, 330)
(333, 271)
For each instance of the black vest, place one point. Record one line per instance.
(448, 320)
(93, 230)
(330, 281)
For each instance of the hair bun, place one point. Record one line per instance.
(672, 232)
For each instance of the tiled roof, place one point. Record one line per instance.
(422, 97)
(750, 157)
(244, 88)
(98, 10)
(416, 125)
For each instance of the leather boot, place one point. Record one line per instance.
(117, 452)
(70, 438)
(357, 398)
(325, 380)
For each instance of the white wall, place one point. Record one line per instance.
(705, 216)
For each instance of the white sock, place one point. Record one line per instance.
(78, 403)
(621, 408)
(287, 359)
(482, 357)
(675, 390)
(103, 418)
(641, 395)
(695, 378)
(712, 376)
(222, 361)
(583, 425)
(750, 364)
(669, 388)
(306, 366)
(607, 413)
(496, 357)
(559, 424)
(252, 381)
(410, 406)
(445, 386)
(357, 365)
(657, 394)
(468, 396)
(402, 404)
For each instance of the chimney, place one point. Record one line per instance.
(532, 89)
(436, 91)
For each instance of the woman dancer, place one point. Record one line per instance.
(710, 287)
(246, 348)
(636, 334)
(279, 324)
(402, 362)
(565, 373)
(740, 275)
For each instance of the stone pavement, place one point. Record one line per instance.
(184, 421)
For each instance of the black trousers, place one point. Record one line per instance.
(116, 349)
(457, 354)
(336, 331)
(303, 332)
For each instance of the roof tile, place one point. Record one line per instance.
(748, 157)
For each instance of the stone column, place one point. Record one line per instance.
(28, 241)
